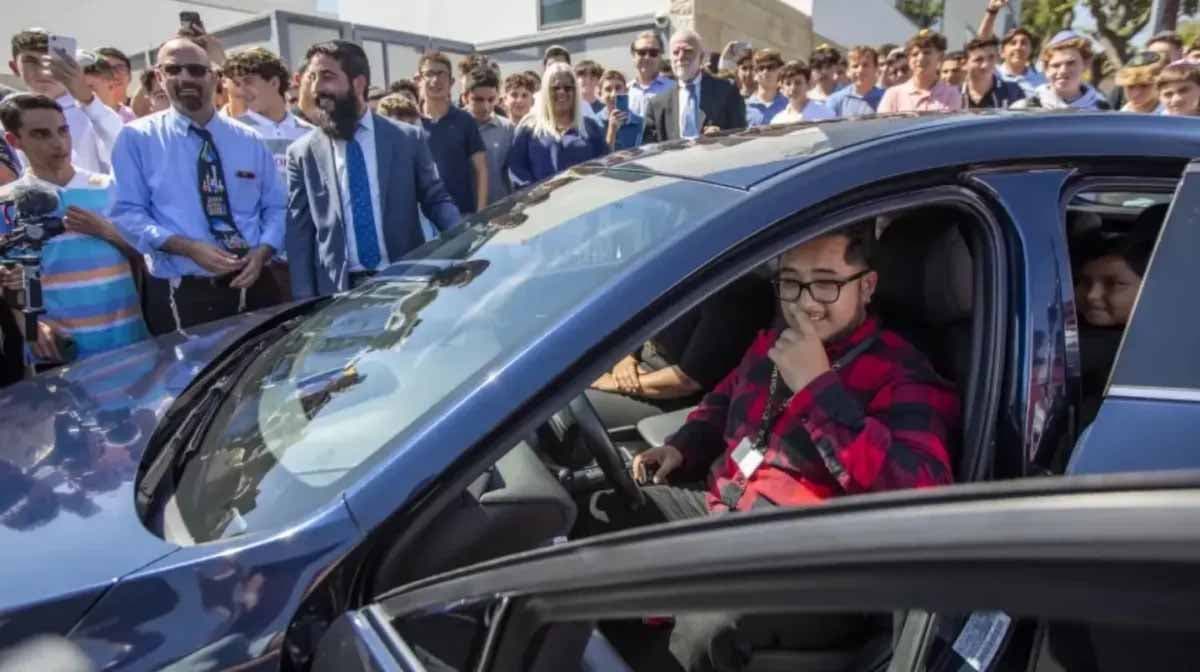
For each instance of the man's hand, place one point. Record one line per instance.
(212, 258)
(625, 374)
(12, 278)
(46, 346)
(255, 261)
(66, 71)
(665, 458)
(994, 6)
(86, 222)
(617, 118)
(799, 354)
(606, 383)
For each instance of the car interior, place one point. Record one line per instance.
(930, 286)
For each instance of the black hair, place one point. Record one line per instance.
(17, 104)
(860, 243)
(824, 58)
(36, 41)
(1134, 247)
(349, 55)
(482, 77)
(556, 51)
(259, 62)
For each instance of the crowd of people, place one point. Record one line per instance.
(228, 183)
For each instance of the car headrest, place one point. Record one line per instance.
(949, 278)
(925, 270)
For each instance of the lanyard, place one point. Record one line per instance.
(771, 410)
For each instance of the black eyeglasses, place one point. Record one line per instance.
(821, 291)
(193, 69)
(648, 53)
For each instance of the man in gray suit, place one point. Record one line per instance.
(354, 187)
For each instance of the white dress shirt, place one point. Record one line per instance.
(365, 135)
(94, 128)
(684, 102)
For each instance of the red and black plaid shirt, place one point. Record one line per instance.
(885, 421)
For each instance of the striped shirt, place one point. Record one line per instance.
(87, 285)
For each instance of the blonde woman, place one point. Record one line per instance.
(556, 134)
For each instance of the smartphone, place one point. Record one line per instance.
(191, 20)
(622, 102)
(63, 46)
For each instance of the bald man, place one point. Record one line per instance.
(199, 196)
(697, 103)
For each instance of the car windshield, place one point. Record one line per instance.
(320, 403)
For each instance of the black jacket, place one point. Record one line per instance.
(721, 105)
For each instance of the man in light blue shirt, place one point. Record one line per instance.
(647, 51)
(862, 97)
(198, 194)
(1017, 51)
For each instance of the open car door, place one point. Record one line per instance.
(1037, 574)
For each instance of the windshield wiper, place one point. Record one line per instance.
(188, 434)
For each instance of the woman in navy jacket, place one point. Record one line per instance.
(556, 134)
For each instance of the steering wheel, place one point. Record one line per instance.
(607, 456)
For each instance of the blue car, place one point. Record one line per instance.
(275, 491)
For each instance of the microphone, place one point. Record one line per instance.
(36, 208)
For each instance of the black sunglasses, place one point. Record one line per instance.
(650, 53)
(193, 69)
(821, 291)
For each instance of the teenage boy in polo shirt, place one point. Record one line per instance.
(767, 101)
(862, 97)
(924, 91)
(518, 96)
(984, 88)
(587, 77)
(794, 78)
(88, 286)
(826, 67)
(453, 136)
(483, 92)
(1065, 59)
(263, 80)
(624, 129)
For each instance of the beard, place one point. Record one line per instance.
(339, 114)
(192, 97)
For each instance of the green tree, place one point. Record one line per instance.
(922, 12)
(1189, 31)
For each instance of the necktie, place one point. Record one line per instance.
(365, 238)
(690, 126)
(214, 198)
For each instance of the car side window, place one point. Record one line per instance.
(1159, 351)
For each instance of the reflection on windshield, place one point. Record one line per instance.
(323, 400)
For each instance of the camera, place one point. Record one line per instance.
(662, 20)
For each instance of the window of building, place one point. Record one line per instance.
(555, 12)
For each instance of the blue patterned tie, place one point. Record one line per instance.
(365, 238)
(690, 129)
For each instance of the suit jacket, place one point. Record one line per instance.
(721, 105)
(317, 248)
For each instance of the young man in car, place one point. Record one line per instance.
(862, 97)
(824, 404)
(827, 403)
(88, 284)
(924, 91)
(984, 89)
(767, 101)
(1066, 57)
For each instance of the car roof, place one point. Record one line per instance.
(745, 158)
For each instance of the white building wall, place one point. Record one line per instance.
(870, 22)
(479, 20)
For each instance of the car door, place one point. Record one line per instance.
(1152, 403)
(971, 577)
